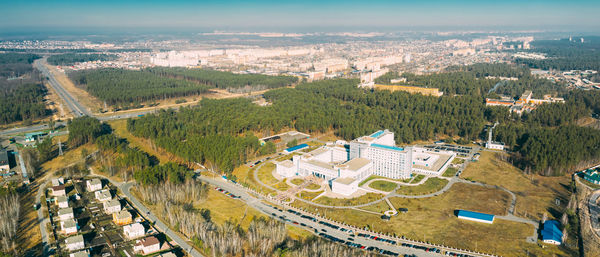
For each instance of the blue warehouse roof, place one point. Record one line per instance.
(475, 215)
(395, 148)
(298, 147)
(551, 231)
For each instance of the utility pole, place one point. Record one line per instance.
(60, 151)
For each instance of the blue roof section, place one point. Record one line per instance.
(395, 148)
(377, 134)
(295, 148)
(551, 231)
(476, 215)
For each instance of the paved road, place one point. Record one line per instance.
(76, 108)
(42, 220)
(259, 204)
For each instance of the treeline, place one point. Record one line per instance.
(216, 131)
(124, 87)
(227, 80)
(565, 55)
(21, 102)
(9, 58)
(72, 58)
(16, 65)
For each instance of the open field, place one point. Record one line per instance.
(431, 185)
(378, 207)
(223, 208)
(265, 174)
(433, 219)
(383, 185)
(536, 194)
(70, 157)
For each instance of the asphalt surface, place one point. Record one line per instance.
(290, 218)
(77, 109)
(42, 220)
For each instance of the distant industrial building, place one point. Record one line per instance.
(525, 103)
(476, 216)
(4, 164)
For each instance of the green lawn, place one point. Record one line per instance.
(417, 179)
(309, 195)
(383, 185)
(369, 179)
(369, 197)
(450, 172)
(297, 181)
(430, 186)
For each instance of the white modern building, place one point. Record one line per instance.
(75, 243)
(431, 163)
(134, 230)
(388, 160)
(93, 185)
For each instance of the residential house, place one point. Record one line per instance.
(112, 206)
(75, 243)
(103, 195)
(59, 190)
(65, 214)
(69, 226)
(122, 218)
(84, 253)
(58, 182)
(134, 230)
(62, 201)
(94, 185)
(147, 245)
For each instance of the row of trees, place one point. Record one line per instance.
(123, 87)
(226, 80)
(72, 58)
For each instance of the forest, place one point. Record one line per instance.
(21, 92)
(216, 132)
(72, 58)
(566, 55)
(227, 80)
(547, 140)
(125, 87)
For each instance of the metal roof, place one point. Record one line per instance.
(475, 215)
(377, 134)
(298, 147)
(551, 231)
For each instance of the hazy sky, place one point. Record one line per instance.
(307, 13)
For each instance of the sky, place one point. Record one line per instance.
(223, 14)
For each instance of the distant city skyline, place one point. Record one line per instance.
(290, 15)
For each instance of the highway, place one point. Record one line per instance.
(76, 108)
